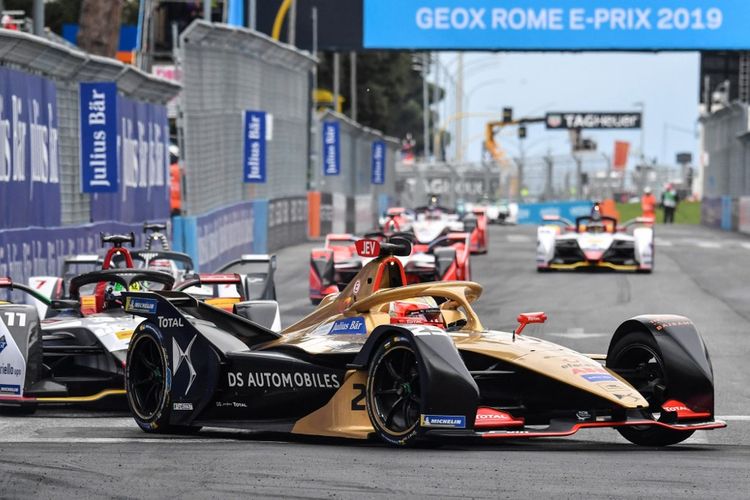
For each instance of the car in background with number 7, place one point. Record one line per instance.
(409, 363)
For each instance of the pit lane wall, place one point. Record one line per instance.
(726, 169)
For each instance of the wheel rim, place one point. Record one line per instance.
(643, 368)
(146, 378)
(396, 390)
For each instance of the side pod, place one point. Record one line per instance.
(688, 366)
(447, 386)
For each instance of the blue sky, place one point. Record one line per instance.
(533, 83)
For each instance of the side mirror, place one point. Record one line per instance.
(64, 304)
(528, 318)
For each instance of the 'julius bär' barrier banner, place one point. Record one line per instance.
(29, 160)
(142, 165)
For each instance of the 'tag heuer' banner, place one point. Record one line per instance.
(576, 120)
(29, 160)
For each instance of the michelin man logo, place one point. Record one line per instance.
(178, 356)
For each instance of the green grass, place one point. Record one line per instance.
(688, 212)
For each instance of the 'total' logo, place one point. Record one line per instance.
(368, 248)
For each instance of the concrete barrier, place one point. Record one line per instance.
(711, 212)
(743, 219)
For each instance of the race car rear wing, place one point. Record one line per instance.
(556, 219)
(643, 221)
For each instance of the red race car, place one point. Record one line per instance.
(333, 266)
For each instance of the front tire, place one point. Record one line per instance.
(394, 392)
(639, 359)
(148, 380)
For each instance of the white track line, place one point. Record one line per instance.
(663, 243)
(708, 244)
(734, 418)
(518, 238)
(745, 245)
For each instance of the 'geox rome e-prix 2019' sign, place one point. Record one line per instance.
(331, 148)
(254, 147)
(98, 106)
(567, 120)
(557, 24)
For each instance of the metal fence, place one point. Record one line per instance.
(226, 71)
(67, 67)
(529, 179)
(357, 201)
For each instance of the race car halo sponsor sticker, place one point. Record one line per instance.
(182, 406)
(446, 421)
(349, 326)
(599, 377)
(140, 305)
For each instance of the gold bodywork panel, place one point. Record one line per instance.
(344, 415)
(556, 362)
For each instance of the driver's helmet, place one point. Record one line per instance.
(112, 291)
(416, 311)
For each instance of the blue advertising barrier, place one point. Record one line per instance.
(29, 159)
(143, 135)
(711, 212)
(532, 213)
(260, 226)
(40, 251)
(217, 237)
(557, 24)
(726, 213)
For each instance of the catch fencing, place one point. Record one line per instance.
(525, 180)
(364, 183)
(226, 71)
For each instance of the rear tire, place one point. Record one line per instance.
(148, 380)
(639, 352)
(394, 392)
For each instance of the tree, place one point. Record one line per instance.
(99, 26)
(389, 92)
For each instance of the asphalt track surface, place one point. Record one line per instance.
(700, 273)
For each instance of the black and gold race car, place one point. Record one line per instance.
(408, 363)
